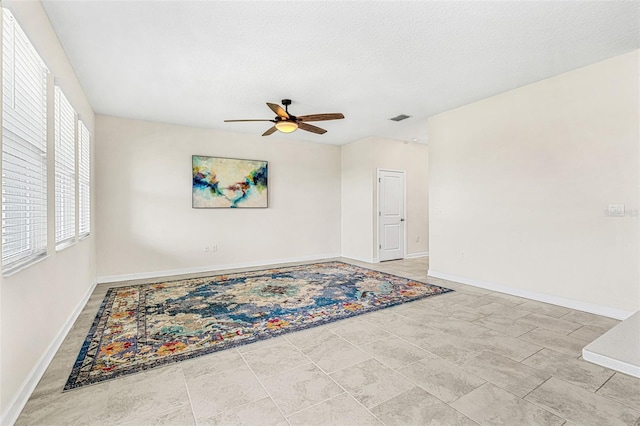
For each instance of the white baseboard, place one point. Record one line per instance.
(617, 349)
(361, 259)
(210, 268)
(579, 305)
(417, 255)
(611, 363)
(377, 260)
(18, 402)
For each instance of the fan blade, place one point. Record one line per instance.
(310, 128)
(278, 110)
(268, 132)
(321, 117)
(257, 119)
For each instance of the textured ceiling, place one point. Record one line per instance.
(200, 62)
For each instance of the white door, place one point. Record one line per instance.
(391, 221)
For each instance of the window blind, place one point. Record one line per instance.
(84, 178)
(24, 148)
(65, 162)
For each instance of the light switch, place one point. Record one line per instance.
(616, 210)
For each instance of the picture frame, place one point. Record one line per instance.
(219, 182)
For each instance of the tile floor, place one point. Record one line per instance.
(464, 358)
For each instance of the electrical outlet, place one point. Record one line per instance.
(462, 255)
(214, 247)
(418, 239)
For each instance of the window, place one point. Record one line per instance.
(24, 148)
(84, 178)
(65, 155)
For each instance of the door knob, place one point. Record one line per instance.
(401, 220)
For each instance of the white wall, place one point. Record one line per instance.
(360, 162)
(147, 227)
(413, 159)
(520, 183)
(40, 303)
(358, 200)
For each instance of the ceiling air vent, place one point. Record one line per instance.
(400, 117)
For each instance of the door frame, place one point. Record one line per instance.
(376, 216)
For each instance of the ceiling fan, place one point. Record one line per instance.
(288, 123)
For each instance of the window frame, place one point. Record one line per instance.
(84, 178)
(24, 149)
(65, 118)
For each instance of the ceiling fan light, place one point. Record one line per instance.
(286, 126)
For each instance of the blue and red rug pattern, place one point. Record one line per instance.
(144, 326)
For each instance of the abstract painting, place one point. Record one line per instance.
(229, 183)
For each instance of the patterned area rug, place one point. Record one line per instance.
(145, 326)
